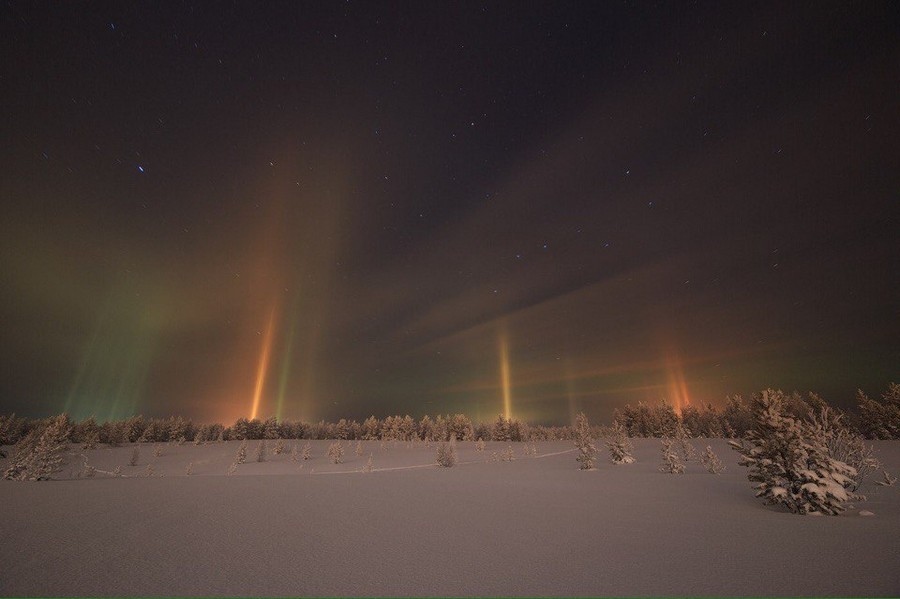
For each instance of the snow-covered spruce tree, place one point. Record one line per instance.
(584, 443)
(359, 448)
(446, 453)
(687, 450)
(135, 455)
(307, 451)
(789, 462)
(241, 452)
(711, 461)
(200, 435)
(672, 463)
(479, 445)
(261, 451)
(279, 447)
(508, 454)
(336, 452)
(369, 465)
(619, 445)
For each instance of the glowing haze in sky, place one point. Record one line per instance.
(325, 210)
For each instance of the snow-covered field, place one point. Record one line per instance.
(533, 526)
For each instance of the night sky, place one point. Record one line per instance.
(325, 210)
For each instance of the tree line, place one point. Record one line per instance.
(872, 418)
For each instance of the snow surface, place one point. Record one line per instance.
(534, 526)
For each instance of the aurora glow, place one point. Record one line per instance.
(506, 385)
(262, 370)
(327, 211)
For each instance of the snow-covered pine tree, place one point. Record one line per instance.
(261, 451)
(479, 445)
(508, 454)
(295, 453)
(241, 452)
(47, 455)
(307, 451)
(672, 463)
(446, 453)
(790, 464)
(21, 456)
(844, 443)
(620, 447)
(279, 447)
(359, 449)
(336, 452)
(369, 465)
(584, 443)
(135, 455)
(711, 461)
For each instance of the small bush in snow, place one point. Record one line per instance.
(157, 449)
(672, 463)
(359, 449)
(369, 465)
(887, 480)
(711, 461)
(295, 453)
(233, 468)
(508, 455)
(479, 445)
(619, 445)
(446, 453)
(190, 469)
(241, 452)
(307, 451)
(336, 452)
(261, 451)
(279, 447)
(149, 471)
(135, 456)
(790, 463)
(584, 443)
